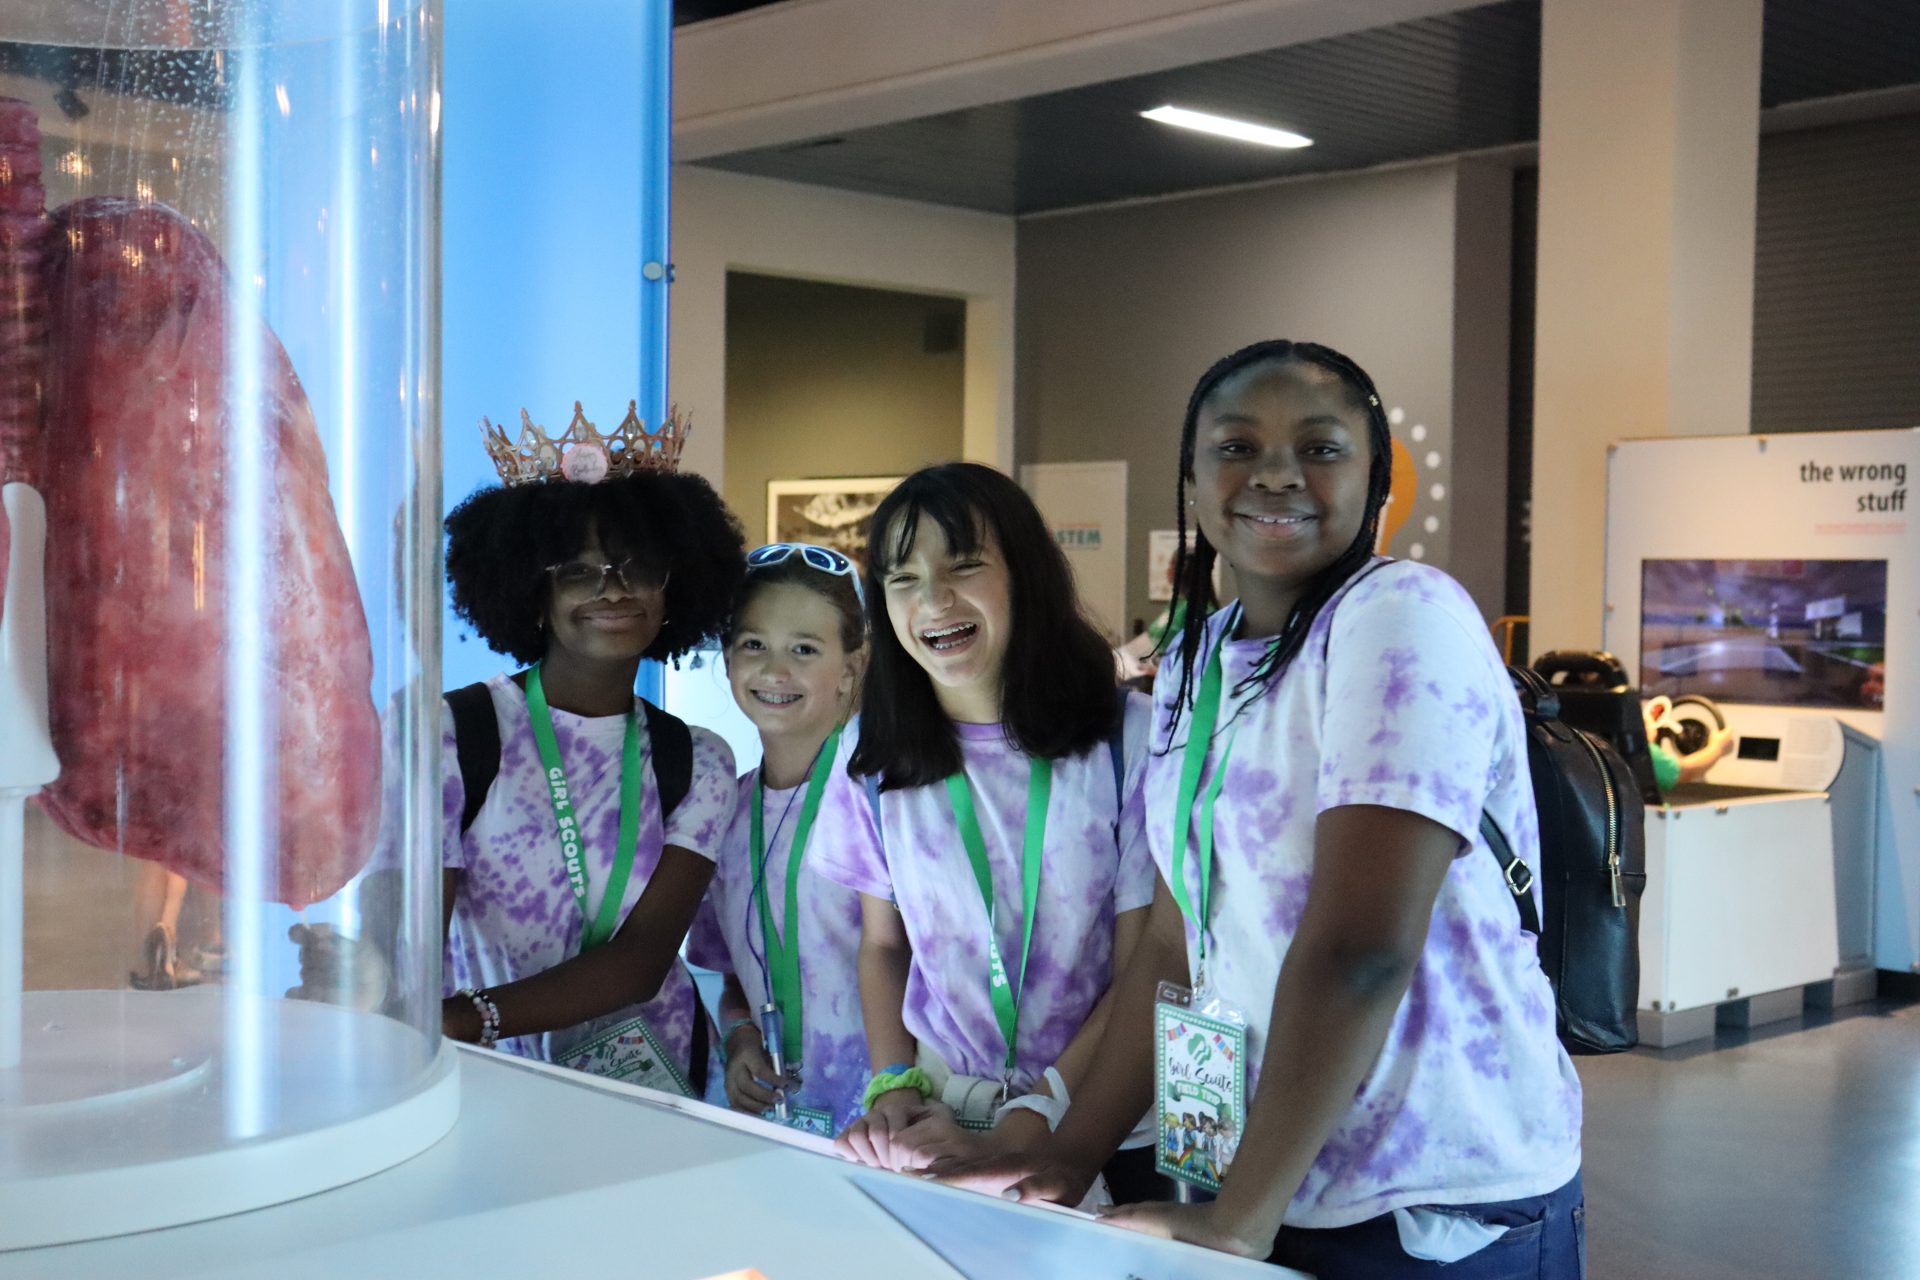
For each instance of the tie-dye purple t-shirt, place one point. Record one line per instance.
(727, 937)
(1405, 705)
(1094, 865)
(514, 914)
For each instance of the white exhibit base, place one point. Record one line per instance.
(134, 1110)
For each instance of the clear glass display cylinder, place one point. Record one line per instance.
(219, 638)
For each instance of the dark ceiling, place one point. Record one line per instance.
(685, 11)
(1456, 82)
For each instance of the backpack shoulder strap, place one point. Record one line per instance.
(1514, 870)
(476, 739)
(672, 757)
(1117, 749)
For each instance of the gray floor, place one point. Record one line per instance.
(1792, 1150)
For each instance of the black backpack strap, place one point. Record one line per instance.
(476, 738)
(672, 757)
(1117, 751)
(1513, 870)
(697, 1058)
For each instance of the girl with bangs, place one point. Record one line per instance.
(990, 816)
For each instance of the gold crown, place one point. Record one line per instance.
(582, 453)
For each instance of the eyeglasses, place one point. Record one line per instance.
(636, 577)
(825, 559)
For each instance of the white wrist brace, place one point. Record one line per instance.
(1051, 1108)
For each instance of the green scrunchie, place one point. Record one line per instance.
(887, 1081)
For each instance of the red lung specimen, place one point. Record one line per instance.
(136, 472)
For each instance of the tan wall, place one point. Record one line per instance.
(832, 380)
(1120, 310)
(728, 222)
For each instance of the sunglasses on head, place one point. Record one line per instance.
(825, 559)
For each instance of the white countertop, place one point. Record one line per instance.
(549, 1173)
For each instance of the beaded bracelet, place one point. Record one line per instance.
(489, 1016)
(887, 1081)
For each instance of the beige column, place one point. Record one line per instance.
(1649, 147)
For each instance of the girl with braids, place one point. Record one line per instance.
(1325, 750)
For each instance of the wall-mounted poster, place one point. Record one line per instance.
(827, 513)
(1161, 546)
(1085, 505)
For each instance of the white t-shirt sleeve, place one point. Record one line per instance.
(1133, 887)
(453, 794)
(1412, 707)
(700, 822)
(845, 846)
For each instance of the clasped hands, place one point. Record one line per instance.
(909, 1134)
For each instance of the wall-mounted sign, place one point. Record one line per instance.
(1085, 504)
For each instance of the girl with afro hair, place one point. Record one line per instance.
(568, 885)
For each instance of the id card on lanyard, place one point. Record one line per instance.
(629, 1050)
(781, 1018)
(1200, 1042)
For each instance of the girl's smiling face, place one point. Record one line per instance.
(603, 616)
(789, 669)
(952, 611)
(1281, 464)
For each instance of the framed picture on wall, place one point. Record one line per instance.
(830, 513)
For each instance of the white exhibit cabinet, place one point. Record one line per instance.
(1739, 900)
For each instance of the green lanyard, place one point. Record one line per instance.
(783, 957)
(601, 927)
(1200, 726)
(1006, 998)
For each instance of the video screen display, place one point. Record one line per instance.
(1801, 633)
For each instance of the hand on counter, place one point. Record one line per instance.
(1210, 1226)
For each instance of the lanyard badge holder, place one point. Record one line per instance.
(783, 1036)
(814, 1120)
(1200, 1041)
(1004, 994)
(629, 1050)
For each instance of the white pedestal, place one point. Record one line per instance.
(132, 1110)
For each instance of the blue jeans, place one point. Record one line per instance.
(1546, 1240)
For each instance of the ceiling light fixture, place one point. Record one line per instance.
(1239, 130)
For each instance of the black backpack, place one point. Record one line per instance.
(1593, 867)
(1597, 697)
(476, 738)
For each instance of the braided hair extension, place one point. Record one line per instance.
(1193, 570)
